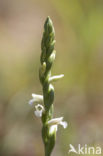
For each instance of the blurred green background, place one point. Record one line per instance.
(79, 95)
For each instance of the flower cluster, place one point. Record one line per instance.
(39, 109)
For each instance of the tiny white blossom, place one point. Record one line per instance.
(36, 99)
(56, 77)
(39, 110)
(53, 123)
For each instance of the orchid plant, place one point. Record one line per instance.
(44, 103)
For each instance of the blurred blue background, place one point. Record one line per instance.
(79, 95)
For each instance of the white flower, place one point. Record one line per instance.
(36, 98)
(55, 78)
(53, 123)
(39, 110)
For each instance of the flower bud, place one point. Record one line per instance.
(43, 68)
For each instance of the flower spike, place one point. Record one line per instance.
(45, 111)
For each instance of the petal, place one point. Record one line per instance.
(64, 124)
(53, 129)
(36, 98)
(31, 101)
(55, 121)
(39, 107)
(55, 78)
(38, 113)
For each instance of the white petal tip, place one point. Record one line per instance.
(62, 75)
(31, 102)
(64, 124)
(33, 95)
